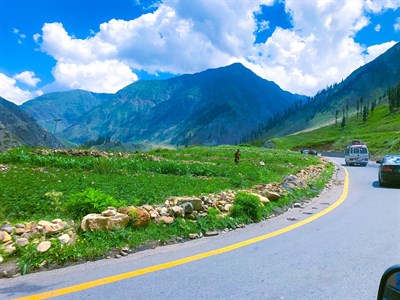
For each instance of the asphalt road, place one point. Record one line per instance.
(339, 255)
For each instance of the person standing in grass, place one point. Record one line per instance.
(237, 156)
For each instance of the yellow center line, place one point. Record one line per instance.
(174, 263)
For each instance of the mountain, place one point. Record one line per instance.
(68, 106)
(216, 106)
(18, 128)
(366, 84)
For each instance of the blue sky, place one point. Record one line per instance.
(104, 45)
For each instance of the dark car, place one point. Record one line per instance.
(312, 152)
(389, 170)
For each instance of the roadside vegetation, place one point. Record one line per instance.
(380, 129)
(48, 186)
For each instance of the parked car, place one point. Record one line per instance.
(389, 170)
(312, 152)
(304, 151)
(356, 154)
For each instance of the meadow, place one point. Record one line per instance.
(138, 179)
(381, 132)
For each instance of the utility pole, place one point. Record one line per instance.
(55, 124)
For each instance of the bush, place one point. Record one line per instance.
(248, 208)
(90, 201)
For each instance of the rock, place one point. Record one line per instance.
(93, 222)
(126, 249)
(228, 207)
(196, 202)
(7, 228)
(47, 227)
(31, 226)
(148, 208)
(109, 212)
(43, 264)
(4, 168)
(269, 144)
(263, 200)
(164, 211)
(19, 231)
(139, 216)
(193, 236)
(211, 233)
(4, 237)
(154, 214)
(272, 195)
(176, 211)
(43, 246)
(206, 200)
(19, 225)
(262, 164)
(72, 239)
(187, 207)
(22, 242)
(292, 182)
(166, 219)
(55, 221)
(9, 269)
(9, 247)
(64, 239)
(191, 217)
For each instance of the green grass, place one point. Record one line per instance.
(381, 132)
(136, 180)
(48, 186)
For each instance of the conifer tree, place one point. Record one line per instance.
(365, 114)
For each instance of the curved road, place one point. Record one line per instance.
(340, 255)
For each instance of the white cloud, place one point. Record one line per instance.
(96, 76)
(183, 36)
(376, 50)
(27, 77)
(378, 6)
(263, 25)
(10, 91)
(378, 28)
(36, 37)
(20, 35)
(396, 25)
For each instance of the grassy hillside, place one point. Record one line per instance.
(381, 132)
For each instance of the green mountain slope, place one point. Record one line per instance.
(67, 106)
(18, 128)
(381, 132)
(368, 83)
(216, 106)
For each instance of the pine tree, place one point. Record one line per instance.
(336, 116)
(365, 114)
(373, 105)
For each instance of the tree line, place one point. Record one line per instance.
(393, 95)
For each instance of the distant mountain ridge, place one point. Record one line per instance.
(216, 106)
(369, 83)
(69, 106)
(19, 128)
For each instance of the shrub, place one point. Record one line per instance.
(90, 201)
(248, 208)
